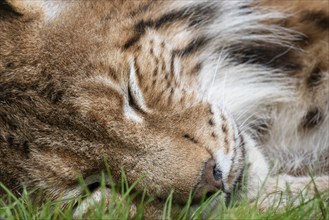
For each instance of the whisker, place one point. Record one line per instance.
(218, 62)
(242, 114)
(243, 123)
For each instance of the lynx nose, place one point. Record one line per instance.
(210, 181)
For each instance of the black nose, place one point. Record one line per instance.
(210, 181)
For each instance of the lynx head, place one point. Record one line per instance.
(83, 83)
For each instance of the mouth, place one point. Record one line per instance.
(216, 203)
(100, 191)
(104, 196)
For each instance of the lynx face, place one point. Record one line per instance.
(171, 136)
(165, 90)
(79, 96)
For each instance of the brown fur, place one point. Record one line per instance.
(311, 67)
(58, 121)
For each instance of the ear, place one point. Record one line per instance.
(10, 8)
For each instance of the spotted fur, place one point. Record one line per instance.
(189, 94)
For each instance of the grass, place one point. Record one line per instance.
(119, 207)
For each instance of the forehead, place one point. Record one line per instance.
(164, 74)
(118, 43)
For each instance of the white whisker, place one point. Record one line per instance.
(250, 116)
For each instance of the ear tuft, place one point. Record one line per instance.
(10, 8)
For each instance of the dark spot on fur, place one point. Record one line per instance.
(18, 144)
(312, 119)
(172, 59)
(10, 65)
(10, 140)
(190, 138)
(25, 147)
(243, 7)
(8, 120)
(167, 79)
(224, 128)
(226, 141)
(157, 61)
(163, 68)
(197, 68)
(211, 122)
(57, 97)
(214, 135)
(155, 71)
(315, 78)
(319, 18)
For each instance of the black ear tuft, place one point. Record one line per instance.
(9, 9)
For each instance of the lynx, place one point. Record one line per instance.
(192, 95)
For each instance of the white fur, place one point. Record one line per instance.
(253, 92)
(224, 162)
(107, 81)
(51, 9)
(247, 91)
(250, 92)
(136, 92)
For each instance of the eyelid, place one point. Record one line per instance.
(135, 96)
(133, 101)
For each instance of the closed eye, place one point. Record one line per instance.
(135, 106)
(133, 102)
